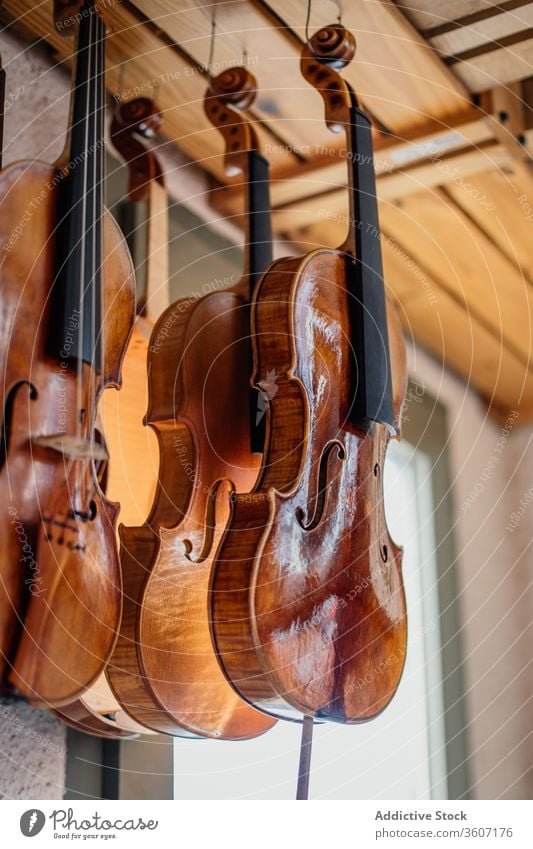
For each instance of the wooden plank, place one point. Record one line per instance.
(426, 14)
(437, 321)
(401, 80)
(487, 31)
(464, 261)
(455, 168)
(157, 71)
(498, 67)
(465, 346)
(285, 100)
(327, 169)
(506, 216)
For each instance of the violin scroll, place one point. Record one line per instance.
(327, 51)
(334, 45)
(139, 116)
(233, 90)
(236, 86)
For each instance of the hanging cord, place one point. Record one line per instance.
(304, 767)
(308, 16)
(212, 46)
(307, 20)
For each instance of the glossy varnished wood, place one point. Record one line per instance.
(164, 670)
(68, 589)
(308, 602)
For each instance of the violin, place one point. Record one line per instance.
(132, 469)
(130, 479)
(68, 302)
(164, 670)
(2, 107)
(307, 594)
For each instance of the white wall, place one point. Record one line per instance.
(494, 569)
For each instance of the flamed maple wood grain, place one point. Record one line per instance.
(164, 671)
(72, 615)
(304, 606)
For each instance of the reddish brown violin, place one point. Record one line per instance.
(131, 471)
(164, 670)
(308, 599)
(133, 465)
(68, 303)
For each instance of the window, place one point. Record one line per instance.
(400, 754)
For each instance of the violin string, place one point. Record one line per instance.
(82, 246)
(101, 166)
(92, 228)
(96, 287)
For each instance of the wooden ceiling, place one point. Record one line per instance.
(450, 88)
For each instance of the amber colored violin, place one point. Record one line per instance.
(68, 301)
(308, 598)
(133, 466)
(130, 475)
(164, 671)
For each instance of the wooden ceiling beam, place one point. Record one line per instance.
(396, 74)
(432, 317)
(157, 71)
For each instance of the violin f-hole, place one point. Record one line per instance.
(323, 484)
(5, 433)
(210, 523)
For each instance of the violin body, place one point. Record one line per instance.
(71, 582)
(97, 713)
(131, 475)
(172, 681)
(132, 468)
(308, 604)
(164, 671)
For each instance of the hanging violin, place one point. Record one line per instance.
(307, 591)
(132, 470)
(130, 478)
(164, 671)
(68, 303)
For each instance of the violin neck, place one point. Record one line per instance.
(258, 238)
(373, 401)
(81, 197)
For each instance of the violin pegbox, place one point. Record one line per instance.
(66, 14)
(229, 94)
(137, 117)
(326, 52)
